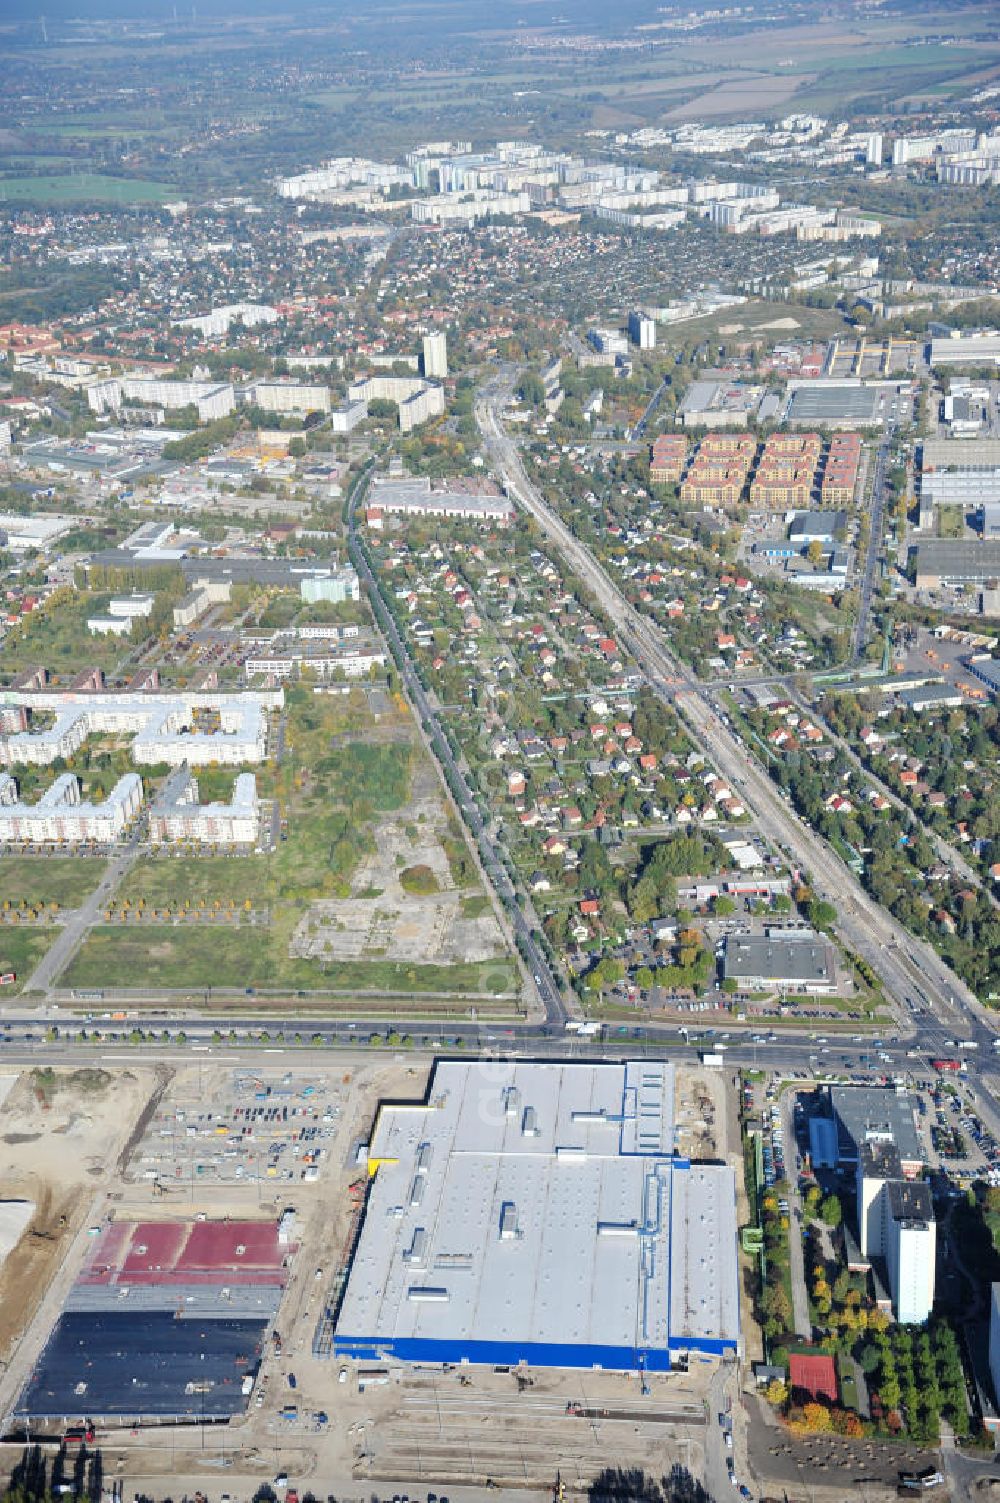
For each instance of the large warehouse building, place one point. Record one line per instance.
(537, 1213)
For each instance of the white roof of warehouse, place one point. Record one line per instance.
(541, 1202)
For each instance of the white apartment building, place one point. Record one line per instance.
(417, 399)
(896, 1223)
(346, 417)
(169, 728)
(109, 626)
(212, 399)
(436, 355)
(912, 1250)
(215, 324)
(178, 816)
(61, 817)
(481, 204)
(289, 396)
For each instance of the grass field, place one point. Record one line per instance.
(86, 187)
(208, 957)
(65, 880)
(20, 951)
(166, 881)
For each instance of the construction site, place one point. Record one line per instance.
(189, 1298)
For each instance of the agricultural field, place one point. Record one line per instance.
(492, 83)
(83, 187)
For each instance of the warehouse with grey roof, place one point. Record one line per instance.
(537, 1212)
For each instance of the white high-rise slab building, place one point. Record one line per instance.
(436, 355)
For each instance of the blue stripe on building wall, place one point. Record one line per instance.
(534, 1353)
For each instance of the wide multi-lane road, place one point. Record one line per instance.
(913, 974)
(860, 634)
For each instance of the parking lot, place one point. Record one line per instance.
(235, 1128)
(960, 1141)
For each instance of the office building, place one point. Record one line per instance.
(436, 355)
(874, 1115)
(537, 1212)
(335, 587)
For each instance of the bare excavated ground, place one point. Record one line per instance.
(383, 919)
(62, 1133)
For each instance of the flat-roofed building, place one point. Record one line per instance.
(289, 658)
(537, 1212)
(817, 527)
(995, 1342)
(968, 488)
(416, 498)
(940, 561)
(987, 671)
(62, 817)
(896, 1226)
(178, 816)
(960, 454)
(832, 404)
(289, 396)
(196, 728)
(781, 960)
(911, 1250)
(417, 399)
(966, 349)
(719, 404)
(876, 1114)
